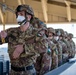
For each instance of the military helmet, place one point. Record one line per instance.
(42, 25)
(59, 32)
(70, 35)
(51, 30)
(26, 8)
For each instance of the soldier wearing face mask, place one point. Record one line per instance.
(59, 47)
(25, 43)
(63, 44)
(72, 45)
(51, 33)
(65, 39)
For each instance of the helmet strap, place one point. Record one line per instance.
(23, 22)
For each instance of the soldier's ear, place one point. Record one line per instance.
(29, 17)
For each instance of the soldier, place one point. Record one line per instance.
(65, 40)
(51, 33)
(25, 43)
(43, 62)
(72, 45)
(64, 46)
(59, 46)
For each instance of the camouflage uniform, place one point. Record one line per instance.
(14, 37)
(72, 45)
(65, 40)
(73, 48)
(64, 46)
(64, 51)
(54, 55)
(53, 49)
(33, 41)
(33, 45)
(43, 62)
(59, 47)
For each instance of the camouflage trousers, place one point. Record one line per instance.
(65, 57)
(27, 72)
(43, 64)
(54, 62)
(73, 53)
(59, 60)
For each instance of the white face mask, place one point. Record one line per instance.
(56, 38)
(20, 19)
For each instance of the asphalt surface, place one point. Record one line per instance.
(68, 68)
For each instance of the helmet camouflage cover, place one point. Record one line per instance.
(26, 8)
(59, 32)
(70, 35)
(42, 25)
(51, 30)
(37, 23)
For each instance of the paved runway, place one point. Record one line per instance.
(66, 69)
(70, 71)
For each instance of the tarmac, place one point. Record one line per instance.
(68, 68)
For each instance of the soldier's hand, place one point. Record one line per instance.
(18, 50)
(3, 34)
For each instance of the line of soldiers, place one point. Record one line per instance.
(61, 47)
(34, 46)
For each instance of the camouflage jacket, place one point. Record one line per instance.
(72, 44)
(38, 23)
(64, 46)
(53, 47)
(34, 44)
(67, 44)
(58, 45)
